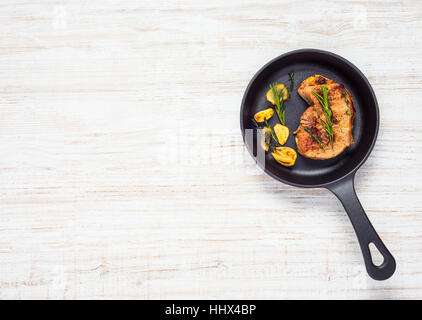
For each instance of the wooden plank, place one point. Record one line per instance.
(122, 168)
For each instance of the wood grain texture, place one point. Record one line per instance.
(122, 169)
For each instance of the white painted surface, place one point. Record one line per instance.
(99, 100)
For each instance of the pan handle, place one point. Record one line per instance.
(345, 192)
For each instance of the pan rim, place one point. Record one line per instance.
(373, 97)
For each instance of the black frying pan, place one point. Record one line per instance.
(337, 174)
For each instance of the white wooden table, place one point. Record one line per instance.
(122, 169)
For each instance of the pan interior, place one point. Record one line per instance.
(307, 172)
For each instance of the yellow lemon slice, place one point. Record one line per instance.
(280, 88)
(281, 132)
(285, 156)
(265, 138)
(264, 114)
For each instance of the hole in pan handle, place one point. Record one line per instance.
(345, 191)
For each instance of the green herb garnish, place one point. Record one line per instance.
(323, 100)
(272, 131)
(258, 128)
(273, 138)
(347, 102)
(292, 80)
(280, 107)
(314, 137)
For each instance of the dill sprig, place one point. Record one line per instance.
(323, 100)
(280, 107)
(347, 102)
(292, 80)
(314, 137)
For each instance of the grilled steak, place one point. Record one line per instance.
(317, 145)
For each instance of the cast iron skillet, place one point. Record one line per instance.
(337, 174)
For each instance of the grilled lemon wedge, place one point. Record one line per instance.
(280, 88)
(281, 132)
(265, 138)
(264, 114)
(285, 156)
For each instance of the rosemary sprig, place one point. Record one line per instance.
(272, 131)
(279, 103)
(292, 80)
(323, 100)
(314, 137)
(259, 129)
(347, 102)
